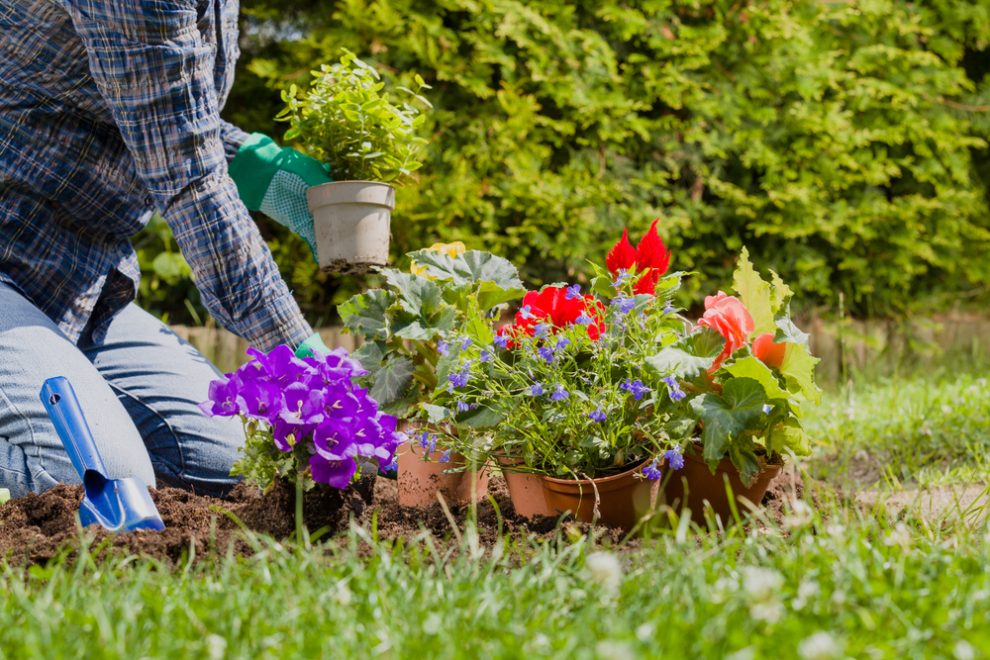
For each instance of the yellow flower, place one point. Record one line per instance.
(449, 249)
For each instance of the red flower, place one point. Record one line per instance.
(768, 351)
(651, 258)
(553, 306)
(730, 318)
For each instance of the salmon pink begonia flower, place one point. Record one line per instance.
(730, 318)
(650, 259)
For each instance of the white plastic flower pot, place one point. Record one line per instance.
(352, 220)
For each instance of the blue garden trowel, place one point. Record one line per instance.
(120, 505)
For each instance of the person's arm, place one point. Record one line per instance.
(156, 74)
(233, 139)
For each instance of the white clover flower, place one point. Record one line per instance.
(769, 610)
(612, 650)
(963, 650)
(761, 583)
(806, 591)
(216, 647)
(604, 569)
(820, 646)
(799, 516)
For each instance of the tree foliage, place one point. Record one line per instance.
(845, 143)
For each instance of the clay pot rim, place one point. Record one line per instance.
(602, 484)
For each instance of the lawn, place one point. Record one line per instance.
(846, 577)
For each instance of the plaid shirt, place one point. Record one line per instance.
(110, 110)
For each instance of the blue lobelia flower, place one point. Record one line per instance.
(559, 393)
(622, 277)
(597, 415)
(546, 353)
(445, 456)
(675, 459)
(674, 388)
(651, 471)
(624, 304)
(536, 389)
(584, 319)
(486, 355)
(443, 348)
(501, 341)
(573, 292)
(526, 312)
(541, 329)
(462, 406)
(562, 343)
(465, 343)
(634, 387)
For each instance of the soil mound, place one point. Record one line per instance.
(37, 528)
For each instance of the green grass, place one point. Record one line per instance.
(919, 429)
(852, 582)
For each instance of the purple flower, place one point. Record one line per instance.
(541, 329)
(622, 277)
(559, 393)
(427, 441)
(584, 319)
(573, 292)
(651, 471)
(634, 387)
(536, 389)
(337, 474)
(668, 308)
(674, 389)
(767, 408)
(597, 415)
(501, 341)
(526, 312)
(562, 343)
(225, 399)
(486, 355)
(460, 378)
(465, 343)
(443, 348)
(462, 406)
(675, 459)
(445, 456)
(624, 304)
(546, 353)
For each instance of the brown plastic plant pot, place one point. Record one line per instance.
(352, 222)
(694, 487)
(525, 491)
(623, 499)
(420, 480)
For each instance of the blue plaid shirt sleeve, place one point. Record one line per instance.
(156, 75)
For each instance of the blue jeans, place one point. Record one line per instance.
(138, 389)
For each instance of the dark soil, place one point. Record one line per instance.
(37, 528)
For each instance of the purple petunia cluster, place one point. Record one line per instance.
(311, 399)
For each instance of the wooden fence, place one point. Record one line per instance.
(846, 345)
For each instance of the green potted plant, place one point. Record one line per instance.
(371, 141)
(562, 393)
(407, 327)
(748, 372)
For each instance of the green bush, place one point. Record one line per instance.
(843, 143)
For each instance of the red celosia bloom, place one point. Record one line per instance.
(552, 306)
(651, 258)
(730, 318)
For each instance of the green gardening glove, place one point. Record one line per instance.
(274, 179)
(314, 344)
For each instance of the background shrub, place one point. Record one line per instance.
(844, 143)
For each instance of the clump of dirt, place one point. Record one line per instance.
(36, 528)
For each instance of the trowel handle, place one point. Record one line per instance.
(60, 401)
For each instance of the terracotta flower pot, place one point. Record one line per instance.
(420, 480)
(623, 499)
(352, 221)
(694, 485)
(525, 491)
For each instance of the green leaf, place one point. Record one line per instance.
(788, 332)
(745, 460)
(370, 354)
(481, 418)
(788, 436)
(436, 414)
(479, 330)
(366, 314)
(491, 294)
(417, 295)
(781, 293)
(725, 417)
(392, 380)
(471, 267)
(750, 367)
(798, 369)
(755, 295)
(689, 357)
